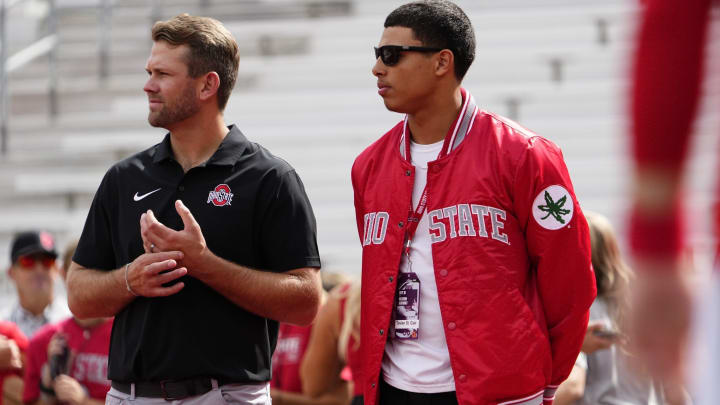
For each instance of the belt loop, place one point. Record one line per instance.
(132, 391)
(214, 383)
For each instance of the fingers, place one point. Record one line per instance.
(169, 276)
(16, 356)
(186, 216)
(149, 272)
(55, 346)
(153, 232)
(167, 291)
(157, 267)
(162, 256)
(595, 325)
(143, 230)
(603, 342)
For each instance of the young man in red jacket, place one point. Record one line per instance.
(476, 270)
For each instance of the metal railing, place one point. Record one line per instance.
(48, 45)
(9, 64)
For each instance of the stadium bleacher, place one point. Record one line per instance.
(559, 67)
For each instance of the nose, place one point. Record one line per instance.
(379, 69)
(150, 86)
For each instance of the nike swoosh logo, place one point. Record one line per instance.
(137, 197)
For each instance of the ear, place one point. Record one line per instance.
(209, 86)
(11, 272)
(444, 63)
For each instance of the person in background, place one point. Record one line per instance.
(603, 373)
(67, 361)
(33, 270)
(286, 385)
(668, 70)
(13, 345)
(332, 357)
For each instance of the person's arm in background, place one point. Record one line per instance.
(321, 364)
(573, 388)
(667, 77)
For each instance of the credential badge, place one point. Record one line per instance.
(553, 207)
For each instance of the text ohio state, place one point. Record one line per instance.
(455, 221)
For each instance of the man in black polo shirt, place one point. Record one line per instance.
(199, 245)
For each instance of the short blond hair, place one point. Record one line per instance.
(212, 48)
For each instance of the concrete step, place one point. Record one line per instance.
(277, 9)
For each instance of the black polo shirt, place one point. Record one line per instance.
(253, 211)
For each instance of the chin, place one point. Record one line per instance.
(155, 121)
(394, 107)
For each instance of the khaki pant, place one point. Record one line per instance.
(250, 394)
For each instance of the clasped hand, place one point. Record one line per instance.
(169, 254)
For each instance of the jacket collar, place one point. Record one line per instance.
(461, 127)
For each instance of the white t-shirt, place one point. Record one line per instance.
(421, 365)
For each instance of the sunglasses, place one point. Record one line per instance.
(390, 54)
(28, 262)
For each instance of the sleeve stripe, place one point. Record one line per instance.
(535, 399)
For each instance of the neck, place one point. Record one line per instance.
(35, 303)
(35, 308)
(430, 124)
(196, 139)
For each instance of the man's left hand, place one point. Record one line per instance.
(68, 390)
(159, 238)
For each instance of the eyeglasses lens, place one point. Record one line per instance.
(28, 262)
(388, 55)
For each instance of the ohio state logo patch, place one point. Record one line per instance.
(553, 207)
(220, 196)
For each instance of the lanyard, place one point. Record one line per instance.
(461, 127)
(414, 215)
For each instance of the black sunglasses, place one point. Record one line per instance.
(390, 54)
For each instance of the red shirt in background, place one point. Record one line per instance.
(292, 343)
(12, 332)
(89, 357)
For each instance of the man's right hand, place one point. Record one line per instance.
(149, 272)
